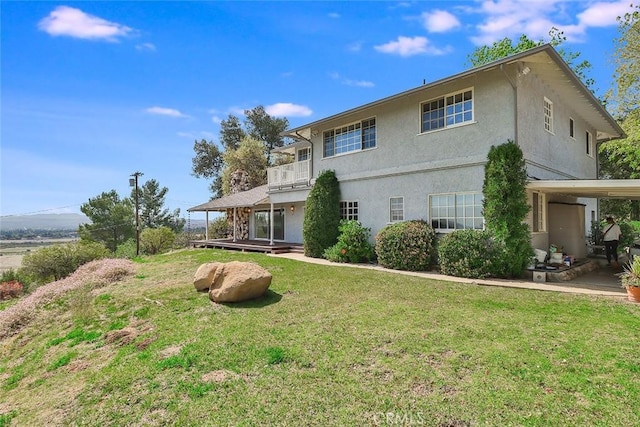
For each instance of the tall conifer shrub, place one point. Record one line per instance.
(505, 206)
(322, 215)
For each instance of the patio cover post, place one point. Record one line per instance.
(271, 224)
(206, 225)
(234, 225)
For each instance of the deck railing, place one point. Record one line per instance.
(291, 174)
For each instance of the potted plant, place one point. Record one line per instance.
(631, 279)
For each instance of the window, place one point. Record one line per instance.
(548, 115)
(538, 210)
(396, 209)
(450, 110)
(261, 225)
(456, 211)
(349, 210)
(353, 137)
(571, 128)
(589, 143)
(304, 154)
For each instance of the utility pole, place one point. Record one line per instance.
(133, 182)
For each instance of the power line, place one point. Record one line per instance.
(41, 211)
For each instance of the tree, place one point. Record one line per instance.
(620, 159)
(112, 220)
(231, 133)
(151, 201)
(505, 205)
(265, 128)
(250, 158)
(322, 215)
(505, 47)
(207, 163)
(258, 124)
(626, 78)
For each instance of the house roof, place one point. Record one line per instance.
(255, 196)
(544, 61)
(601, 188)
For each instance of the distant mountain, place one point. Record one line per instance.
(66, 221)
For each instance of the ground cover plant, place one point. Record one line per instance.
(328, 345)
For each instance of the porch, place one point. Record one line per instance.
(249, 246)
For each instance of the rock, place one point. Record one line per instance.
(204, 275)
(239, 281)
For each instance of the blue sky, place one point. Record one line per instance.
(94, 91)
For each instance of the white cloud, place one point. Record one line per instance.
(439, 21)
(146, 46)
(162, 111)
(354, 47)
(283, 109)
(68, 21)
(511, 18)
(216, 119)
(410, 46)
(203, 134)
(603, 14)
(334, 15)
(350, 82)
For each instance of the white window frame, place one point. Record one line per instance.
(368, 135)
(396, 209)
(449, 111)
(589, 143)
(548, 115)
(538, 212)
(450, 213)
(349, 210)
(303, 154)
(572, 128)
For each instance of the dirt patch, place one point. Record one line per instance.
(219, 376)
(173, 350)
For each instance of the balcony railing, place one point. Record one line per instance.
(291, 174)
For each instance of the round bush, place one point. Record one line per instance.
(406, 245)
(353, 244)
(470, 253)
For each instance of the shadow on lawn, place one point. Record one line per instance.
(268, 298)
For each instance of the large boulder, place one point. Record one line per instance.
(239, 281)
(204, 275)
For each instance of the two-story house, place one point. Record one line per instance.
(421, 154)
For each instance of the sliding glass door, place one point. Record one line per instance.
(261, 224)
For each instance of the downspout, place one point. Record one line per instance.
(515, 102)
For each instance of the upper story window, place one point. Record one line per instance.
(349, 210)
(449, 110)
(589, 144)
(304, 154)
(572, 133)
(548, 115)
(354, 137)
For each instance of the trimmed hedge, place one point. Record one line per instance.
(407, 245)
(470, 253)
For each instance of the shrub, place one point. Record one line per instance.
(505, 205)
(321, 215)
(127, 249)
(470, 253)
(58, 261)
(156, 240)
(219, 228)
(406, 245)
(353, 244)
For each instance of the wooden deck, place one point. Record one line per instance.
(248, 245)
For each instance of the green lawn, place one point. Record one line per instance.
(327, 346)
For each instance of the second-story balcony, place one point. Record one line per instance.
(289, 175)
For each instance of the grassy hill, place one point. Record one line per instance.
(328, 345)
